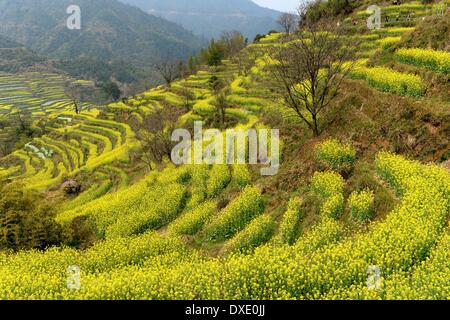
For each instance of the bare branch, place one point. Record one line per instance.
(169, 70)
(310, 69)
(288, 22)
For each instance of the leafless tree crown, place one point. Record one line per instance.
(310, 69)
(288, 22)
(169, 70)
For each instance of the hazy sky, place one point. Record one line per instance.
(282, 5)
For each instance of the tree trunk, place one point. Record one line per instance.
(315, 126)
(77, 109)
(223, 118)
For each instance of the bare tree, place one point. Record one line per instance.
(287, 21)
(154, 133)
(23, 120)
(309, 71)
(221, 104)
(78, 93)
(7, 141)
(188, 98)
(74, 96)
(169, 70)
(245, 60)
(233, 42)
(13, 127)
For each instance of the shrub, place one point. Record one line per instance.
(327, 184)
(219, 178)
(241, 175)
(333, 207)
(361, 205)
(290, 224)
(335, 154)
(184, 176)
(199, 179)
(82, 233)
(258, 232)
(327, 231)
(71, 187)
(236, 215)
(26, 221)
(258, 37)
(194, 220)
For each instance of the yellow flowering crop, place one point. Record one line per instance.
(361, 205)
(290, 224)
(435, 60)
(335, 154)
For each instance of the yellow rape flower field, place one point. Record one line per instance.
(95, 203)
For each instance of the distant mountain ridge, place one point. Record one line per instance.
(116, 42)
(6, 43)
(15, 57)
(209, 18)
(110, 30)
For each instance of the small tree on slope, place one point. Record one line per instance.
(308, 71)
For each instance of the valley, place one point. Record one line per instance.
(364, 192)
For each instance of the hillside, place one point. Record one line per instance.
(112, 33)
(17, 59)
(110, 30)
(369, 195)
(14, 57)
(6, 43)
(209, 18)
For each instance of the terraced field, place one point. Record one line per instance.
(38, 93)
(375, 41)
(84, 143)
(203, 231)
(395, 16)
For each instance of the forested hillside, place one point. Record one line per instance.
(209, 18)
(115, 40)
(127, 33)
(15, 57)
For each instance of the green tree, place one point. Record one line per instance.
(220, 91)
(112, 90)
(26, 221)
(214, 54)
(192, 64)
